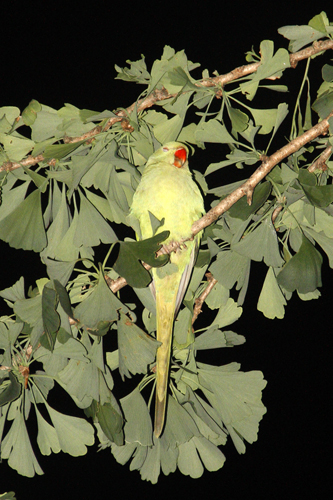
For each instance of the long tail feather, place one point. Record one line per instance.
(165, 317)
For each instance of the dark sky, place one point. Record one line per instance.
(62, 53)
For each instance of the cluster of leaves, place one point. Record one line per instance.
(61, 197)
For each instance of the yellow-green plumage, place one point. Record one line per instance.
(167, 191)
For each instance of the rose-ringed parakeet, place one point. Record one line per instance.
(168, 192)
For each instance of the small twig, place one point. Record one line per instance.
(27, 162)
(200, 300)
(276, 212)
(320, 163)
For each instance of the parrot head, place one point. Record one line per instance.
(174, 153)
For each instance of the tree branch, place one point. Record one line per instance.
(199, 301)
(159, 95)
(320, 163)
(266, 166)
(246, 189)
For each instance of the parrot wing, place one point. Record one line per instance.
(184, 281)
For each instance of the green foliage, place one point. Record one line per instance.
(129, 256)
(8, 496)
(67, 181)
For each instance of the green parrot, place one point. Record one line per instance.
(168, 192)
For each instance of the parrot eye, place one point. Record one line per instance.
(165, 150)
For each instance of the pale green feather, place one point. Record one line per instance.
(169, 193)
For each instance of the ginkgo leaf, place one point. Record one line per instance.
(183, 334)
(24, 227)
(101, 203)
(229, 267)
(322, 240)
(12, 199)
(100, 305)
(29, 114)
(138, 426)
(41, 387)
(162, 452)
(40, 181)
(227, 314)
(128, 265)
(74, 434)
(58, 228)
(150, 468)
(10, 495)
(163, 67)
(9, 331)
(320, 196)
(12, 391)
(47, 438)
(80, 380)
(242, 210)
(51, 319)
(59, 270)
(29, 310)
(14, 292)
(116, 197)
(188, 461)
(238, 119)
(300, 36)
(179, 427)
(16, 447)
(169, 130)
(265, 119)
(16, 147)
(63, 298)
(213, 131)
(177, 76)
(45, 124)
(217, 297)
(136, 72)
(110, 419)
(205, 417)
(136, 349)
(271, 299)
(91, 227)
(303, 270)
(212, 458)
(271, 66)
(11, 113)
(261, 244)
(211, 339)
(64, 249)
(236, 396)
(320, 22)
(82, 161)
(58, 151)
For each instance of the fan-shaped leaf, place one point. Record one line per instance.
(24, 227)
(130, 252)
(136, 349)
(303, 270)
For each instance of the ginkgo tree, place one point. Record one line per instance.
(67, 178)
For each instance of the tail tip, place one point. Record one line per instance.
(157, 432)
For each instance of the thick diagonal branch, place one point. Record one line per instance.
(245, 189)
(266, 166)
